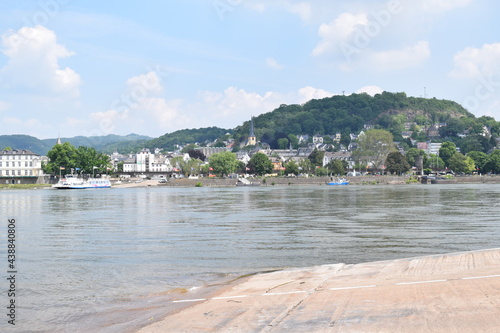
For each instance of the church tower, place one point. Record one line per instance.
(252, 140)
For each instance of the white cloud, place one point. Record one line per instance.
(107, 121)
(33, 62)
(478, 72)
(370, 90)
(338, 31)
(272, 63)
(476, 62)
(147, 84)
(401, 58)
(308, 93)
(436, 6)
(234, 105)
(303, 9)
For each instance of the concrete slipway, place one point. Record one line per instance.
(457, 292)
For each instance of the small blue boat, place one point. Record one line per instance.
(339, 181)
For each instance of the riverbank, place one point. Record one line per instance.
(300, 181)
(457, 292)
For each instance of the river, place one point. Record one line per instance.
(90, 260)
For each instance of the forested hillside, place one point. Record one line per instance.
(41, 147)
(182, 137)
(346, 114)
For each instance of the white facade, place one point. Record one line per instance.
(145, 161)
(20, 163)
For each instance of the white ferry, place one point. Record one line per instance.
(75, 182)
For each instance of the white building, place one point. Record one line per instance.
(146, 162)
(19, 164)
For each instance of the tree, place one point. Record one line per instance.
(479, 158)
(294, 141)
(316, 157)
(305, 165)
(119, 166)
(197, 153)
(88, 160)
(461, 164)
(434, 162)
(493, 162)
(190, 166)
(413, 153)
(260, 164)
(447, 150)
(223, 163)
(291, 168)
(374, 146)
(397, 163)
(337, 167)
(62, 158)
(283, 143)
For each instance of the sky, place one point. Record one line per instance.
(150, 67)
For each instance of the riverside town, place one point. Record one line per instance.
(403, 140)
(250, 166)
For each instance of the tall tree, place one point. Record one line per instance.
(447, 150)
(413, 153)
(223, 163)
(197, 153)
(337, 167)
(396, 163)
(373, 147)
(493, 162)
(461, 164)
(479, 158)
(88, 160)
(62, 158)
(291, 168)
(316, 158)
(260, 164)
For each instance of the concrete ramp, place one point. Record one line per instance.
(447, 293)
(244, 181)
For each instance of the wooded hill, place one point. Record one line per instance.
(327, 116)
(349, 114)
(41, 147)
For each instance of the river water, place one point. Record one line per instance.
(90, 260)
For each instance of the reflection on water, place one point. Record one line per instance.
(82, 252)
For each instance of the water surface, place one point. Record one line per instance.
(85, 258)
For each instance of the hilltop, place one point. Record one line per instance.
(351, 114)
(420, 119)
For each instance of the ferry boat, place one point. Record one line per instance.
(75, 182)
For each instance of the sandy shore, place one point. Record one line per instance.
(457, 292)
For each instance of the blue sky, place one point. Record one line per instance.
(73, 67)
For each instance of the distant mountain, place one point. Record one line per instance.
(169, 141)
(186, 136)
(19, 141)
(41, 147)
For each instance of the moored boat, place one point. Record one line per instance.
(75, 182)
(339, 181)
